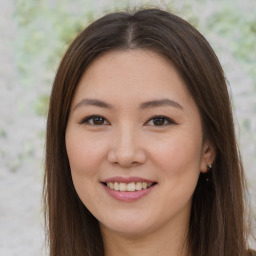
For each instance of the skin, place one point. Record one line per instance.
(129, 143)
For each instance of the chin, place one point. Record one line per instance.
(128, 226)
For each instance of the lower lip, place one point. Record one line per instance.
(128, 196)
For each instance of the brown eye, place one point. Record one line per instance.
(97, 120)
(160, 121)
(94, 120)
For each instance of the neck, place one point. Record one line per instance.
(166, 242)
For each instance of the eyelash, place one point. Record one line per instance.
(88, 118)
(167, 120)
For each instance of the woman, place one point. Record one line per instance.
(141, 154)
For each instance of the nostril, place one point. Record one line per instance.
(127, 156)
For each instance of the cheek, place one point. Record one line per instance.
(177, 156)
(84, 154)
(177, 162)
(85, 161)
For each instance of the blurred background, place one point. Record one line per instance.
(35, 34)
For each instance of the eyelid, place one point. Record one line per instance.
(169, 120)
(87, 118)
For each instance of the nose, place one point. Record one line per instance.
(126, 148)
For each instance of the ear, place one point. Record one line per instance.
(208, 155)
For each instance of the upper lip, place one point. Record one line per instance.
(120, 179)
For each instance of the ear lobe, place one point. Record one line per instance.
(208, 156)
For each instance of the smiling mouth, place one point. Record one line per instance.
(129, 187)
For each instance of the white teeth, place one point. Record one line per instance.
(138, 186)
(131, 187)
(122, 187)
(116, 186)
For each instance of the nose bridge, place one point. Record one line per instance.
(126, 134)
(127, 148)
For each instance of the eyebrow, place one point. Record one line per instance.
(160, 103)
(144, 105)
(93, 102)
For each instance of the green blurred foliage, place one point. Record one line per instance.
(45, 29)
(240, 30)
(41, 105)
(44, 33)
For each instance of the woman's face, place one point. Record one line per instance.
(134, 143)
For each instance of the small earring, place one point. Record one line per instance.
(209, 166)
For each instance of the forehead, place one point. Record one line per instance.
(131, 74)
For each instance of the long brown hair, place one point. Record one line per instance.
(217, 223)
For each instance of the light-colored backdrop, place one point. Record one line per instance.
(34, 35)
